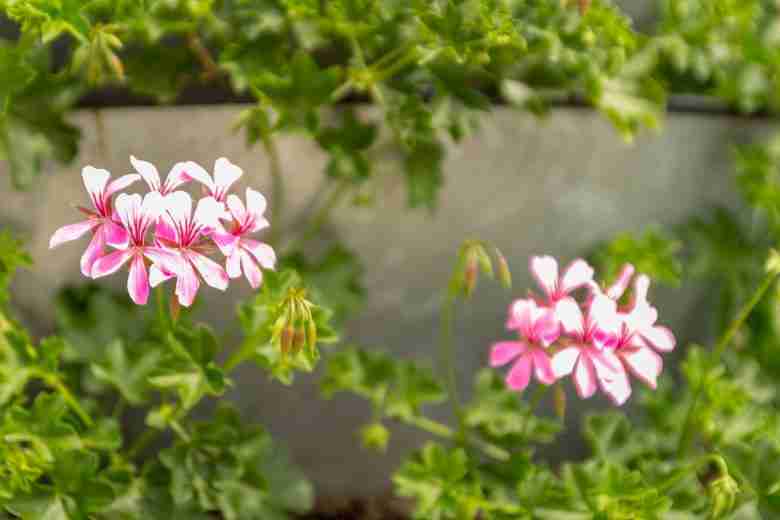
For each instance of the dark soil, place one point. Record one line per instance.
(366, 509)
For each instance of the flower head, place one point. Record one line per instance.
(225, 175)
(181, 173)
(557, 287)
(100, 219)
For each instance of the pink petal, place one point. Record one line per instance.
(616, 290)
(263, 253)
(545, 270)
(237, 209)
(115, 235)
(570, 316)
(233, 264)
(547, 328)
(164, 230)
(208, 213)
(128, 209)
(644, 364)
(180, 174)
(157, 275)
(659, 337)
(520, 374)
(72, 232)
(520, 316)
(606, 362)
(93, 252)
(111, 263)
(251, 271)
(138, 281)
(603, 316)
(226, 242)
(225, 174)
(187, 285)
(618, 389)
(564, 360)
(121, 183)
(95, 180)
(168, 260)
(543, 367)
(178, 211)
(148, 171)
(255, 206)
(211, 271)
(503, 352)
(576, 275)
(585, 378)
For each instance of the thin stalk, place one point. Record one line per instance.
(277, 188)
(446, 356)
(444, 431)
(210, 67)
(717, 353)
(56, 384)
(241, 354)
(161, 314)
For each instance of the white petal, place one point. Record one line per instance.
(148, 171)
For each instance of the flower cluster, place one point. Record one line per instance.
(595, 340)
(160, 237)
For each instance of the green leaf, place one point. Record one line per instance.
(16, 74)
(129, 372)
(12, 257)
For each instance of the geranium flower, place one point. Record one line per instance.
(538, 329)
(181, 231)
(181, 173)
(137, 215)
(545, 269)
(245, 253)
(225, 175)
(590, 356)
(100, 220)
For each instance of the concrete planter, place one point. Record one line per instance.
(556, 186)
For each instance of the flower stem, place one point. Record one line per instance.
(446, 356)
(717, 353)
(56, 384)
(277, 188)
(240, 354)
(442, 430)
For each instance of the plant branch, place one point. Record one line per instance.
(53, 381)
(277, 188)
(210, 67)
(442, 430)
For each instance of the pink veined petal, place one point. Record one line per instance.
(585, 377)
(148, 172)
(521, 316)
(93, 252)
(121, 183)
(233, 264)
(111, 263)
(138, 281)
(659, 337)
(72, 232)
(186, 171)
(605, 362)
(178, 211)
(576, 275)
(543, 366)
(645, 364)
(520, 374)
(603, 316)
(226, 242)
(208, 213)
(115, 235)
(263, 253)
(187, 285)
(168, 260)
(255, 207)
(618, 389)
(95, 180)
(237, 209)
(545, 270)
(570, 316)
(225, 174)
(211, 271)
(503, 352)
(252, 272)
(158, 275)
(616, 290)
(164, 230)
(564, 360)
(546, 328)
(128, 208)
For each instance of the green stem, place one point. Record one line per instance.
(241, 354)
(142, 441)
(322, 215)
(442, 430)
(56, 384)
(446, 356)
(161, 314)
(277, 188)
(717, 353)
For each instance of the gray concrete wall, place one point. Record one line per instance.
(556, 186)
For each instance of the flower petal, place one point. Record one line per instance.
(233, 264)
(128, 208)
(158, 275)
(503, 352)
(546, 327)
(211, 271)
(644, 364)
(167, 259)
(263, 253)
(72, 232)
(93, 252)
(208, 213)
(570, 316)
(520, 374)
(187, 285)
(251, 270)
(138, 281)
(95, 180)
(618, 389)
(111, 263)
(659, 337)
(585, 378)
(564, 360)
(225, 174)
(543, 367)
(115, 235)
(237, 209)
(226, 242)
(521, 316)
(148, 171)
(183, 172)
(121, 183)
(545, 270)
(576, 275)
(619, 286)
(178, 212)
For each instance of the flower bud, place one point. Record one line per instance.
(723, 493)
(299, 339)
(375, 436)
(470, 276)
(286, 340)
(502, 267)
(584, 5)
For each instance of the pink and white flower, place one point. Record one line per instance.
(136, 215)
(225, 175)
(590, 356)
(100, 220)
(245, 254)
(557, 287)
(182, 232)
(181, 173)
(538, 329)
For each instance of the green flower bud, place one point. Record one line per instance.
(723, 492)
(375, 436)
